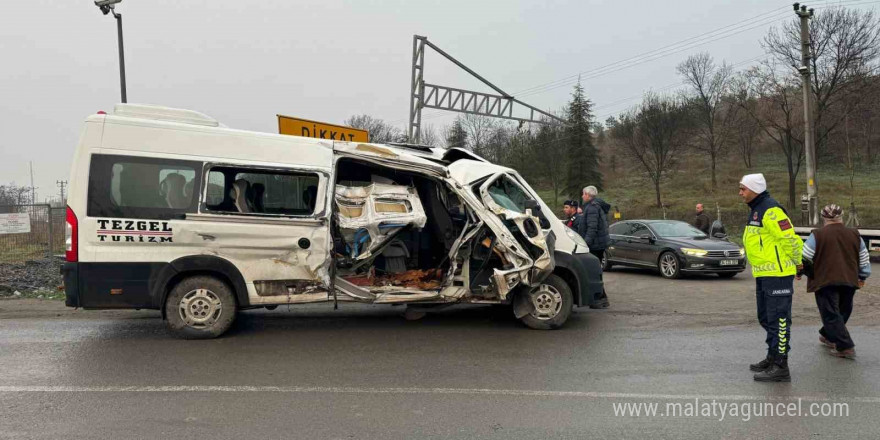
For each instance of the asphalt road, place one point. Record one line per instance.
(365, 372)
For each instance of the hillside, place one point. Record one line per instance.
(628, 189)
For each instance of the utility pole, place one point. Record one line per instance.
(61, 184)
(809, 139)
(33, 188)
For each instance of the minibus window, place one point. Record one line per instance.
(256, 191)
(141, 187)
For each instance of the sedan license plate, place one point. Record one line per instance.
(730, 262)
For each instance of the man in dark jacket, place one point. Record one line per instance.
(593, 226)
(702, 221)
(840, 264)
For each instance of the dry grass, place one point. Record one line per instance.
(631, 191)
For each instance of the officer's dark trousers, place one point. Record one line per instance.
(835, 305)
(773, 295)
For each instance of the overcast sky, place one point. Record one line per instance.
(244, 61)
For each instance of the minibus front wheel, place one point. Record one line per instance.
(200, 307)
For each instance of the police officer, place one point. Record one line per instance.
(774, 252)
(569, 209)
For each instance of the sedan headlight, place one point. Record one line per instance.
(576, 238)
(695, 252)
(742, 252)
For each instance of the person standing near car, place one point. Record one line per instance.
(702, 221)
(593, 226)
(774, 252)
(837, 264)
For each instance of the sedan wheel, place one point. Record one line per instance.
(669, 266)
(606, 264)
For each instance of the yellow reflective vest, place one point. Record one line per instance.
(772, 247)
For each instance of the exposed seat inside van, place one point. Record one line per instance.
(242, 196)
(259, 191)
(310, 196)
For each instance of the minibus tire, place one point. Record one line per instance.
(200, 307)
(555, 295)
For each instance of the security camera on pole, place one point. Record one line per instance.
(108, 6)
(809, 142)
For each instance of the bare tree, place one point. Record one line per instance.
(380, 131)
(479, 129)
(653, 134)
(865, 118)
(778, 110)
(746, 129)
(518, 154)
(12, 196)
(842, 43)
(430, 137)
(713, 119)
(859, 127)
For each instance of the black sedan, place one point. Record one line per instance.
(672, 247)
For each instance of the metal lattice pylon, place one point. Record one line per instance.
(423, 95)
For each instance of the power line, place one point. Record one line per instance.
(650, 52)
(654, 57)
(673, 85)
(736, 28)
(649, 55)
(688, 43)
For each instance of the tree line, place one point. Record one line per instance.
(723, 112)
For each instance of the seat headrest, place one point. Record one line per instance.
(242, 190)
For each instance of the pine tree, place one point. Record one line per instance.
(581, 153)
(456, 137)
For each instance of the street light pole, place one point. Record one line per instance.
(118, 18)
(809, 141)
(107, 7)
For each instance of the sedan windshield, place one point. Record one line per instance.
(670, 229)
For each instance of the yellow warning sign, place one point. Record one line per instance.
(321, 130)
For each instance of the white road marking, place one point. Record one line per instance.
(461, 391)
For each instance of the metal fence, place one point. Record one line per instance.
(30, 232)
(735, 219)
(731, 217)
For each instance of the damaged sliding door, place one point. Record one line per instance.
(272, 224)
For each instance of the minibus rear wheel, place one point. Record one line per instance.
(200, 307)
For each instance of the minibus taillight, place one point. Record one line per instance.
(71, 251)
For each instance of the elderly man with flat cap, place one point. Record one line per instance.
(839, 264)
(774, 252)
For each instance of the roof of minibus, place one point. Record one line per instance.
(273, 145)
